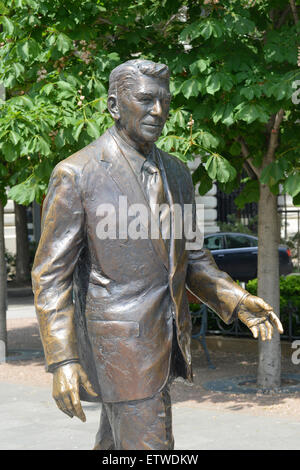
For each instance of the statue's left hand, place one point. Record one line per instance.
(66, 381)
(259, 317)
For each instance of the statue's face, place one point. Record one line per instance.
(144, 108)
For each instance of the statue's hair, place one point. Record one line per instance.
(127, 72)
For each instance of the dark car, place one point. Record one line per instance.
(236, 254)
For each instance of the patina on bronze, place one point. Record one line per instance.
(113, 313)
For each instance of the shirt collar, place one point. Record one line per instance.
(137, 159)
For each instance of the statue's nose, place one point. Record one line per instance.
(157, 108)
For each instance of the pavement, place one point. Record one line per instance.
(30, 420)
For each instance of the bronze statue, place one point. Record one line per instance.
(112, 309)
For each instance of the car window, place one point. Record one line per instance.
(253, 242)
(239, 241)
(214, 242)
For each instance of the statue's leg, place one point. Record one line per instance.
(142, 424)
(104, 438)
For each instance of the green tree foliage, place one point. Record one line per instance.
(233, 67)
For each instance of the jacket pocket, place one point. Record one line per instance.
(108, 329)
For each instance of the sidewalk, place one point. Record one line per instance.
(202, 419)
(20, 307)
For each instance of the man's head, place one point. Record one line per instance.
(139, 99)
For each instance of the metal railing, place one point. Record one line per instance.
(213, 325)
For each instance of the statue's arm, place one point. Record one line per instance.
(213, 287)
(52, 278)
(54, 264)
(225, 297)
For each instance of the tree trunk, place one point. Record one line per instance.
(269, 367)
(3, 279)
(22, 257)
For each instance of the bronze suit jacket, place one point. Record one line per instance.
(111, 303)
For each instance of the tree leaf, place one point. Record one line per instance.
(44, 169)
(93, 130)
(213, 84)
(206, 30)
(219, 168)
(8, 26)
(43, 146)
(190, 88)
(23, 193)
(251, 112)
(77, 131)
(14, 137)
(199, 66)
(19, 69)
(63, 43)
(248, 92)
(47, 89)
(23, 50)
(292, 184)
(208, 140)
(9, 151)
(218, 112)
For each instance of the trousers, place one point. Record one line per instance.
(137, 425)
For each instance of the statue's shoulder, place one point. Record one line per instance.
(85, 158)
(175, 163)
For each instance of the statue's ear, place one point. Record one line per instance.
(113, 108)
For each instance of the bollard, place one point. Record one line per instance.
(2, 352)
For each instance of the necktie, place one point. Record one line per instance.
(153, 184)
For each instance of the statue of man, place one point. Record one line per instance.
(112, 306)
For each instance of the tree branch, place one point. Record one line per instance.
(246, 155)
(294, 11)
(273, 140)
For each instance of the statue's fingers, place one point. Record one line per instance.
(86, 384)
(263, 331)
(89, 388)
(254, 331)
(68, 402)
(275, 321)
(61, 405)
(78, 411)
(269, 329)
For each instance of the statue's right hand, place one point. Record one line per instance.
(66, 381)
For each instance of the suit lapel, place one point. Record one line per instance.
(120, 170)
